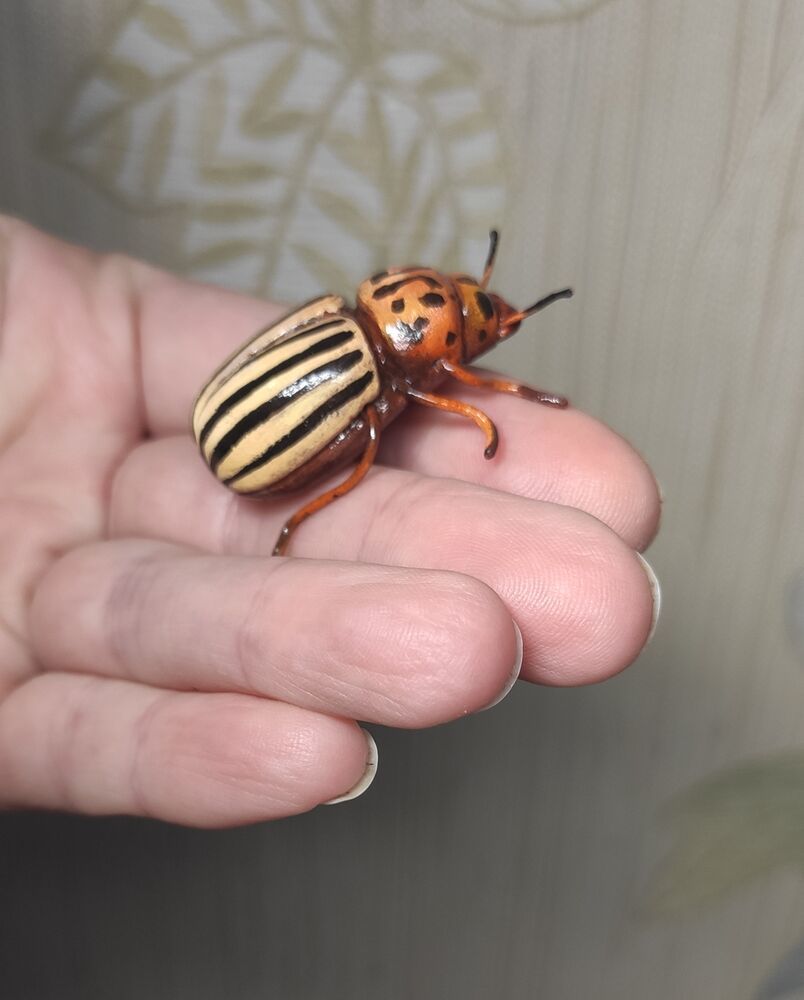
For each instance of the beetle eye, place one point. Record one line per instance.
(484, 304)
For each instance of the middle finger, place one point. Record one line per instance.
(578, 592)
(564, 456)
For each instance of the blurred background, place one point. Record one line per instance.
(639, 839)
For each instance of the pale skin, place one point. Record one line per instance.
(156, 660)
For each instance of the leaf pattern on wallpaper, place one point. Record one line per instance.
(731, 828)
(533, 11)
(298, 150)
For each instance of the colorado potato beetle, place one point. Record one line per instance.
(313, 391)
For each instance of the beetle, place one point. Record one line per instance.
(312, 392)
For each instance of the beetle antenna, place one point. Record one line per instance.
(494, 238)
(565, 293)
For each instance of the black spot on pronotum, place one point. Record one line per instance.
(393, 287)
(378, 275)
(432, 299)
(386, 290)
(484, 305)
(466, 279)
(397, 305)
(451, 338)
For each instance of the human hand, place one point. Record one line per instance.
(155, 660)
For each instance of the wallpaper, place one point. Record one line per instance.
(648, 153)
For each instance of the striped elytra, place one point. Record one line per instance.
(277, 406)
(313, 392)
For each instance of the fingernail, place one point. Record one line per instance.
(512, 677)
(372, 756)
(656, 593)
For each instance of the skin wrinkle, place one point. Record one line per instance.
(249, 632)
(122, 272)
(444, 646)
(433, 691)
(252, 657)
(16, 419)
(301, 755)
(63, 742)
(33, 252)
(13, 620)
(403, 500)
(230, 513)
(129, 286)
(141, 737)
(8, 229)
(321, 673)
(126, 610)
(297, 757)
(367, 610)
(353, 616)
(449, 642)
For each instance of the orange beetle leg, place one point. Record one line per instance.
(468, 377)
(465, 410)
(337, 491)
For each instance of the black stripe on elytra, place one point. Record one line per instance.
(310, 380)
(391, 289)
(432, 299)
(308, 425)
(306, 330)
(484, 304)
(334, 340)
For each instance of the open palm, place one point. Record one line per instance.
(155, 659)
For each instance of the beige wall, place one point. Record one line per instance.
(646, 151)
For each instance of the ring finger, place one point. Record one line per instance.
(400, 647)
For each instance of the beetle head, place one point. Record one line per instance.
(488, 318)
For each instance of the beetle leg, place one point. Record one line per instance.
(468, 377)
(485, 423)
(373, 421)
